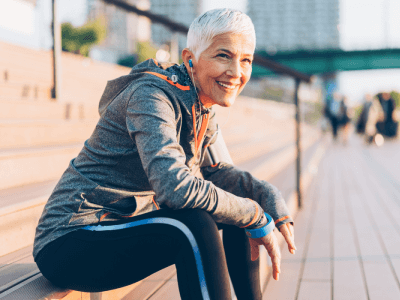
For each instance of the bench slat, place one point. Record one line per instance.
(16, 268)
(20, 278)
(36, 287)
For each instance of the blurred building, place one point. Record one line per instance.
(286, 25)
(124, 29)
(181, 11)
(21, 22)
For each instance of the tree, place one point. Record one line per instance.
(396, 96)
(79, 39)
(145, 50)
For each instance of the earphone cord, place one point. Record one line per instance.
(198, 98)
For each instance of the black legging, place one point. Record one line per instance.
(94, 261)
(335, 126)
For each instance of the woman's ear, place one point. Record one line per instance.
(187, 56)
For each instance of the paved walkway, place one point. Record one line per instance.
(348, 233)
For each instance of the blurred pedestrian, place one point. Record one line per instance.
(389, 125)
(344, 119)
(363, 118)
(333, 113)
(375, 114)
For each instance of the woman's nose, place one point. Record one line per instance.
(234, 69)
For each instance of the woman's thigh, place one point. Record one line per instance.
(117, 254)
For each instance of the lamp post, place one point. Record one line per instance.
(56, 30)
(298, 143)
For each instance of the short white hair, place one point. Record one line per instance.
(215, 22)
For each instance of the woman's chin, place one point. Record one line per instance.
(226, 102)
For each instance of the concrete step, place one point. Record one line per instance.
(19, 274)
(44, 108)
(265, 168)
(35, 133)
(261, 144)
(20, 216)
(14, 108)
(20, 210)
(21, 194)
(83, 79)
(18, 224)
(31, 165)
(24, 90)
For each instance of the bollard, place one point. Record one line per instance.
(67, 111)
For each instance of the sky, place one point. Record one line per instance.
(363, 24)
(369, 24)
(212, 4)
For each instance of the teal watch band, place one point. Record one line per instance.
(263, 231)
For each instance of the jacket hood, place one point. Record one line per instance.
(116, 86)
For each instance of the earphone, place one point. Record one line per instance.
(194, 85)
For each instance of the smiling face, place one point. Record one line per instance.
(223, 69)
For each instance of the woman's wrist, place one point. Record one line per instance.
(264, 230)
(260, 223)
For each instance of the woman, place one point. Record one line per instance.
(345, 119)
(129, 205)
(375, 115)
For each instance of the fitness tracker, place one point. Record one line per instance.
(263, 231)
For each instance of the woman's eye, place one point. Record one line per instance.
(223, 55)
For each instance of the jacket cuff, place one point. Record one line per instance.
(259, 220)
(283, 220)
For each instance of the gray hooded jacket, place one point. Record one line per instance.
(142, 156)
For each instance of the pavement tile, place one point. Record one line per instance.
(351, 237)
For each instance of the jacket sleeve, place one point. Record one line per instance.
(151, 122)
(240, 183)
(243, 184)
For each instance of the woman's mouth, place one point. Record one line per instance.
(228, 86)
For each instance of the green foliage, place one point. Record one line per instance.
(273, 93)
(80, 39)
(145, 50)
(357, 111)
(313, 112)
(128, 61)
(396, 96)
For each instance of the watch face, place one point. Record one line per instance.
(248, 234)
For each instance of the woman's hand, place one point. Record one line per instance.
(270, 243)
(287, 231)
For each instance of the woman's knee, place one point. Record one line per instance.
(200, 223)
(197, 217)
